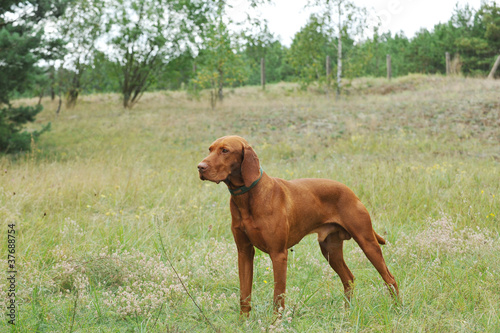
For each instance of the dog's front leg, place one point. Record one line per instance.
(246, 254)
(245, 270)
(279, 260)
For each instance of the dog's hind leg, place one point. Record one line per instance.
(331, 247)
(358, 224)
(373, 252)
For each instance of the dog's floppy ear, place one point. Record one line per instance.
(250, 167)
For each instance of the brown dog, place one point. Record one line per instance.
(273, 215)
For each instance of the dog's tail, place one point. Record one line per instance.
(380, 240)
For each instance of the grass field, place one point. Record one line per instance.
(110, 197)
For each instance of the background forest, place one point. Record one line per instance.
(67, 48)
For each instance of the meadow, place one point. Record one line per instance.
(115, 232)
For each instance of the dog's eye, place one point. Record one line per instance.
(225, 151)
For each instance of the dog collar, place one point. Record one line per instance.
(245, 189)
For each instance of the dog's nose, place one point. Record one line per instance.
(202, 167)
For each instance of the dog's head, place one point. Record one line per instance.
(230, 160)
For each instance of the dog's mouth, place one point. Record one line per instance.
(203, 177)
(213, 181)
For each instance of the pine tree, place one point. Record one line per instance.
(21, 46)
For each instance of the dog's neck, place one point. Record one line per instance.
(236, 185)
(234, 181)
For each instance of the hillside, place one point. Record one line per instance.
(109, 196)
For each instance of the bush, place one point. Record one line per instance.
(12, 136)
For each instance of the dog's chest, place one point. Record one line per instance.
(254, 231)
(248, 224)
(255, 220)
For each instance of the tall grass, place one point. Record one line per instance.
(96, 195)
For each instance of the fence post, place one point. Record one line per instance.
(494, 69)
(448, 68)
(389, 67)
(193, 85)
(263, 73)
(328, 72)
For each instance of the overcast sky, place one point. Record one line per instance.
(286, 17)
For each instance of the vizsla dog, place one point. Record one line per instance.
(273, 215)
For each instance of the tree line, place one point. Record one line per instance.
(66, 48)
